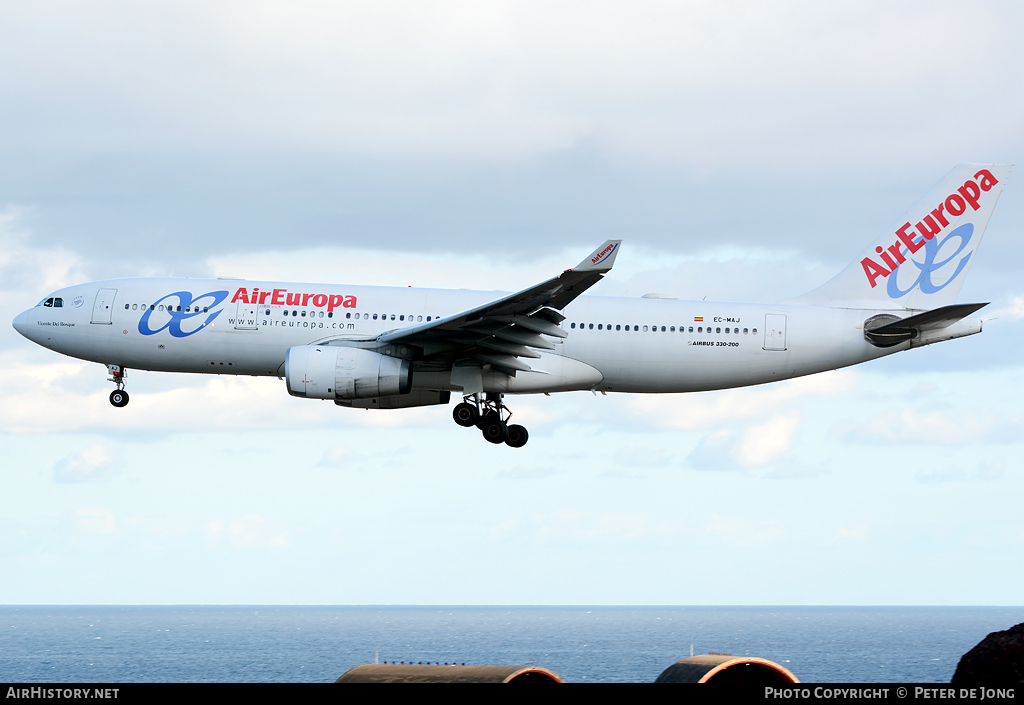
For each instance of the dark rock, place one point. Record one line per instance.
(997, 660)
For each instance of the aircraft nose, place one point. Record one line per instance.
(21, 323)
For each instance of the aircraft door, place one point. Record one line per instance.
(246, 316)
(775, 331)
(103, 307)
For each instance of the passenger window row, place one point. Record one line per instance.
(664, 329)
(154, 307)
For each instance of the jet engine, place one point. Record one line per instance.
(333, 372)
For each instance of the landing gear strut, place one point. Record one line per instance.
(491, 416)
(118, 397)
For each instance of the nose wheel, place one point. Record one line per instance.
(118, 397)
(491, 416)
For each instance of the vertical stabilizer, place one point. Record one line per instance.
(922, 261)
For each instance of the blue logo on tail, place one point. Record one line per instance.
(931, 249)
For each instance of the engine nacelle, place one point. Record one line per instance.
(334, 372)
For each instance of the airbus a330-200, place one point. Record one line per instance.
(370, 347)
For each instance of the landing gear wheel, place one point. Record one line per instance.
(517, 436)
(495, 431)
(119, 398)
(465, 415)
(487, 418)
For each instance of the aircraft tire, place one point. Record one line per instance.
(495, 432)
(487, 417)
(465, 415)
(119, 398)
(517, 436)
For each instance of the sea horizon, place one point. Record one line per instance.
(582, 643)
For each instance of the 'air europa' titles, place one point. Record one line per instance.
(928, 227)
(600, 255)
(281, 297)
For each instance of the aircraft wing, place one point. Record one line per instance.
(501, 332)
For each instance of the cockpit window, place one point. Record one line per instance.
(46, 302)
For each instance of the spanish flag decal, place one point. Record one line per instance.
(698, 319)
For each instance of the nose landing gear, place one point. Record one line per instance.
(118, 397)
(491, 416)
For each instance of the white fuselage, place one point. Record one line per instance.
(613, 344)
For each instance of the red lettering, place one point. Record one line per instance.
(873, 270)
(241, 295)
(959, 204)
(334, 302)
(294, 299)
(988, 181)
(350, 302)
(305, 299)
(886, 258)
(263, 296)
(907, 240)
(938, 215)
(320, 300)
(928, 228)
(895, 250)
(601, 254)
(970, 192)
(278, 299)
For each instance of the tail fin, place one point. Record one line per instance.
(921, 263)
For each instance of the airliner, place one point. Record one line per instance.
(368, 347)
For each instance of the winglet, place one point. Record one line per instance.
(601, 259)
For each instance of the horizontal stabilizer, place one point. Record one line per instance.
(885, 330)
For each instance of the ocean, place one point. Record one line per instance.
(124, 644)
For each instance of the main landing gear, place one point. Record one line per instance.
(118, 397)
(491, 416)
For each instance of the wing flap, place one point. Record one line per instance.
(502, 331)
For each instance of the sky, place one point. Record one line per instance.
(741, 151)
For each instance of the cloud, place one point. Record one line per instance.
(994, 469)
(94, 520)
(763, 444)
(757, 445)
(504, 80)
(985, 470)
(1013, 311)
(949, 474)
(25, 268)
(795, 470)
(850, 534)
(533, 472)
(97, 463)
(49, 393)
(596, 526)
(742, 532)
(701, 410)
(247, 531)
(337, 456)
(641, 457)
(912, 427)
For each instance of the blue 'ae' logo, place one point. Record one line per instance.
(177, 317)
(931, 249)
